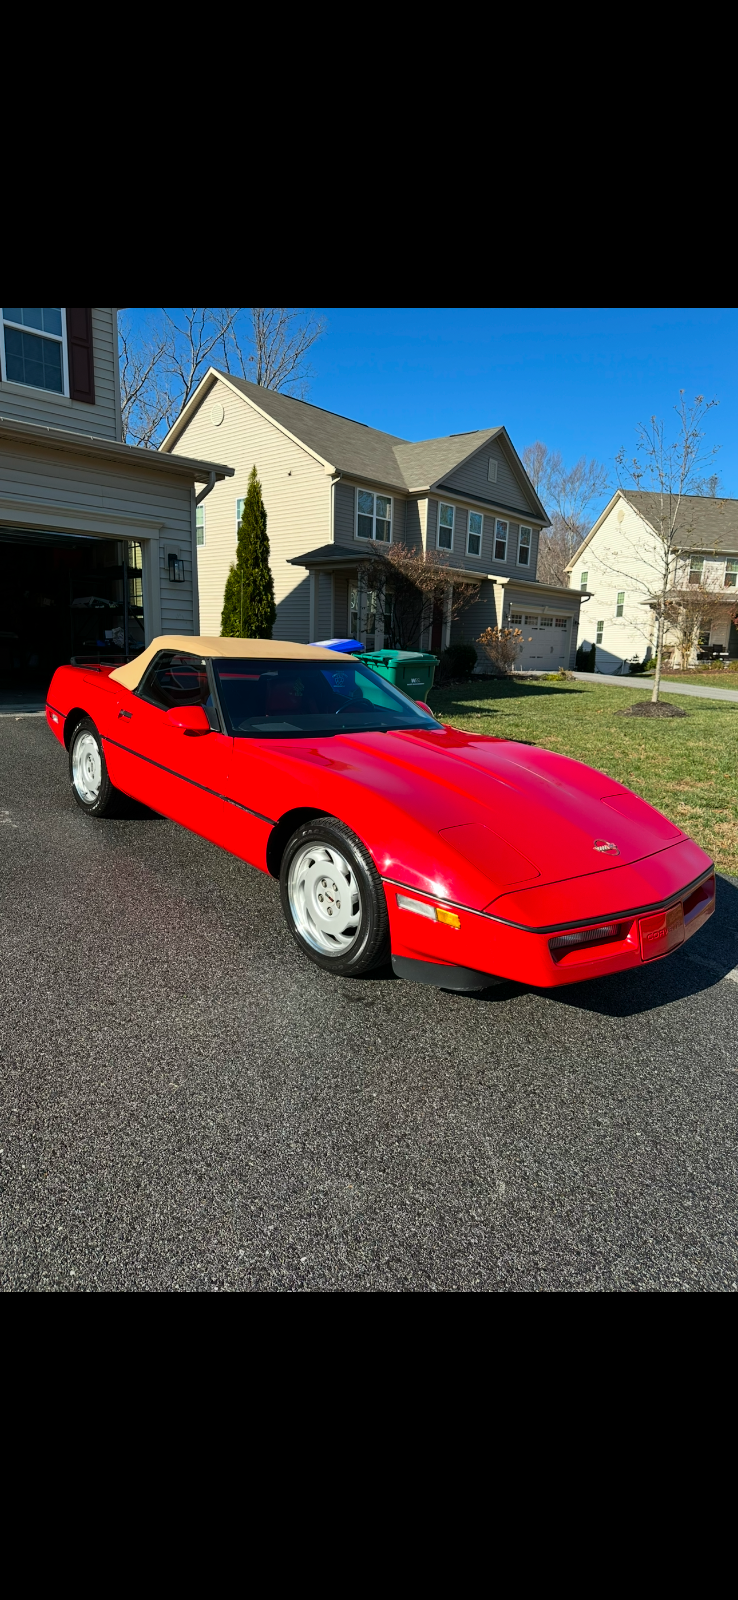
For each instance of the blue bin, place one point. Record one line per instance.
(348, 647)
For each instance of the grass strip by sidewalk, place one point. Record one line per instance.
(688, 767)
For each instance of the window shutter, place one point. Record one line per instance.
(79, 350)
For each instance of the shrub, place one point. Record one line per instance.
(458, 661)
(502, 645)
(586, 657)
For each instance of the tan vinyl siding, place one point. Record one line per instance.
(296, 494)
(55, 410)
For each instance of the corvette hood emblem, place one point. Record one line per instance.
(605, 847)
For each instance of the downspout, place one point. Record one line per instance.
(203, 492)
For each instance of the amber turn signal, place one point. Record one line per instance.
(442, 915)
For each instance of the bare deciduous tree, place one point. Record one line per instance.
(281, 339)
(568, 494)
(409, 584)
(671, 470)
(162, 362)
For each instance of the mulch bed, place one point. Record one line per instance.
(647, 708)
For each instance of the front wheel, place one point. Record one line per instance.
(333, 900)
(88, 772)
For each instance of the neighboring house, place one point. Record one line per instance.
(620, 564)
(335, 491)
(97, 538)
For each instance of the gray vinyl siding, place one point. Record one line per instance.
(341, 617)
(55, 410)
(472, 478)
(413, 527)
(44, 487)
(323, 608)
(482, 614)
(344, 515)
(508, 568)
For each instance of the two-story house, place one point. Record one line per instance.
(97, 538)
(337, 491)
(621, 565)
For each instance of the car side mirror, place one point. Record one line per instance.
(425, 707)
(190, 720)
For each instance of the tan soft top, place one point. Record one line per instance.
(270, 649)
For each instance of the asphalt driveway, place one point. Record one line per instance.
(186, 1103)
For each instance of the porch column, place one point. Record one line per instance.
(447, 604)
(314, 580)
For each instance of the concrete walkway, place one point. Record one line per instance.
(637, 682)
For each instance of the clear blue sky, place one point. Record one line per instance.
(578, 379)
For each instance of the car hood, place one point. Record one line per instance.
(516, 813)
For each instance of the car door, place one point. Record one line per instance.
(181, 774)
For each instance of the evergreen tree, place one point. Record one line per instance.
(249, 611)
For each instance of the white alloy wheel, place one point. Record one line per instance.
(324, 899)
(86, 768)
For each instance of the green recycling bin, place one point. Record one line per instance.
(409, 670)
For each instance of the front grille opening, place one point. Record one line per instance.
(584, 938)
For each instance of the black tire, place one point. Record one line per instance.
(106, 801)
(354, 953)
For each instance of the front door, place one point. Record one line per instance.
(183, 776)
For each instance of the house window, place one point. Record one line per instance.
(696, 566)
(731, 574)
(200, 523)
(32, 347)
(445, 536)
(501, 541)
(531, 622)
(620, 603)
(491, 470)
(516, 618)
(524, 538)
(547, 622)
(474, 534)
(583, 580)
(600, 631)
(239, 512)
(373, 516)
(560, 622)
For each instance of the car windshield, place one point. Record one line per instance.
(283, 699)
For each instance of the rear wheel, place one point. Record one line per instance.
(333, 900)
(88, 772)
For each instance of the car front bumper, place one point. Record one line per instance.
(567, 951)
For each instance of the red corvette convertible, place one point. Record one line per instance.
(466, 858)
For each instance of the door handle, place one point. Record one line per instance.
(127, 714)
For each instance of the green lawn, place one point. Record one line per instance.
(717, 680)
(687, 767)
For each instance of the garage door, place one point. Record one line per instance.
(545, 640)
(62, 598)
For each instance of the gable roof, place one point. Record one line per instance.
(353, 448)
(707, 523)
